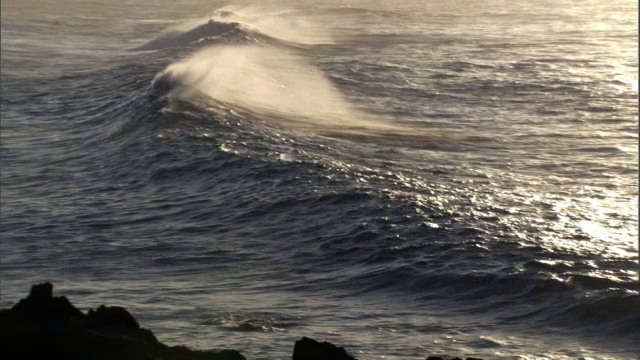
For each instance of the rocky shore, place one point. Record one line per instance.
(43, 326)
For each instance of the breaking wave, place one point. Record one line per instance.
(275, 85)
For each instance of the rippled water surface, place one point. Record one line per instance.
(402, 178)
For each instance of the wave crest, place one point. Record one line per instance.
(249, 24)
(176, 38)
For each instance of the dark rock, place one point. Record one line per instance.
(41, 292)
(113, 316)
(309, 349)
(42, 326)
(40, 306)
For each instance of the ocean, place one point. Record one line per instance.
(401, 178)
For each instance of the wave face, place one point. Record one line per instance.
(376, 176)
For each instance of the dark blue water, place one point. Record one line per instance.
(404, 180)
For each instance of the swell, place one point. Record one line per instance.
(386, 251)
(393, 252)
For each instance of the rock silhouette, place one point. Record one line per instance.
(46, 327)
(309, 349)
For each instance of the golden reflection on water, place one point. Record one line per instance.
(606, 222)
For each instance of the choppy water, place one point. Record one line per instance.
(404, 179)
